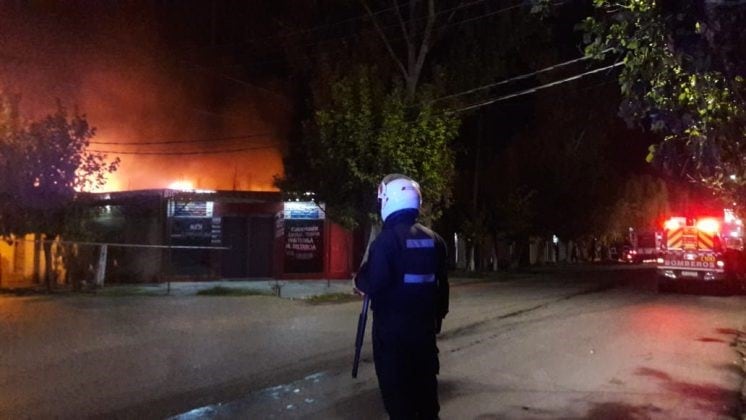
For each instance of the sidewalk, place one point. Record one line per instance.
(288, 289)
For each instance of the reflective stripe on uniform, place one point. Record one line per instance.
(420, 243)
(419, 278)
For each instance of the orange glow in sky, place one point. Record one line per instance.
(162, 120)
(243, 171)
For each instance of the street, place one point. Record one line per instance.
(581, 344)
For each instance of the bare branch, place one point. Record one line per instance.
(412, 30)
(425, 47)
(385, 40)
(401, 21)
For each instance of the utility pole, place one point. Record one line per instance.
(475, 188)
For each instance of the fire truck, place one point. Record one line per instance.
(705, 249)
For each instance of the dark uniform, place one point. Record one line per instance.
(407, 280)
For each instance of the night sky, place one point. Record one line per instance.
(148, 73)
(186, 79)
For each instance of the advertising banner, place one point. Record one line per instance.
(304, 246)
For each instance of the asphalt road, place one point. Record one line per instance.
(553, 345)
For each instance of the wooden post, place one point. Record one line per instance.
(101, 266)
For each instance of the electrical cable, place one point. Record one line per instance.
(484, 103)
(536, 88)
(186, 153)
(513, 79)
(160, 142)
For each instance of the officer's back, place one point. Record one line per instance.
(409, 303)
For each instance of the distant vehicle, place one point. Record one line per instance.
(628, 255)
(703, 249)
(642, 246)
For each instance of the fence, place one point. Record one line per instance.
(83, 264)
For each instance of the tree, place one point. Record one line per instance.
(515, 216)
(369, 117)
(364, 132)
(642, 205)
(404, 55)
(45, 164)
(682, 78)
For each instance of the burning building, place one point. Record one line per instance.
(183, 120)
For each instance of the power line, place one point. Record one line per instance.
(157, 142)
(515, 78)
(241, 82)
(337, 39)
(216, 73)
(122, 245)
(219, 74)
(189, 153)
(536, 89)
(329, 25)
(467, 108)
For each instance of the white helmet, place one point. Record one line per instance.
(397, 192)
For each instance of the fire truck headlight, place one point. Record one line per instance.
(708, 225)
(720, 264)
(659, 260)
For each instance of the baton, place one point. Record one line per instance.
(361, 321)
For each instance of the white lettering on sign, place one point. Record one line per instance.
(689, 264)
(301, 238)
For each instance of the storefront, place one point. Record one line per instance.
(221, 234)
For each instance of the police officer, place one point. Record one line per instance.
(406, 277)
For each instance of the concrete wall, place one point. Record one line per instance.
(17, 261)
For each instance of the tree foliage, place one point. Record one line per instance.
(642, 205)
(361, 131)
(43, 164)
(682, 78)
